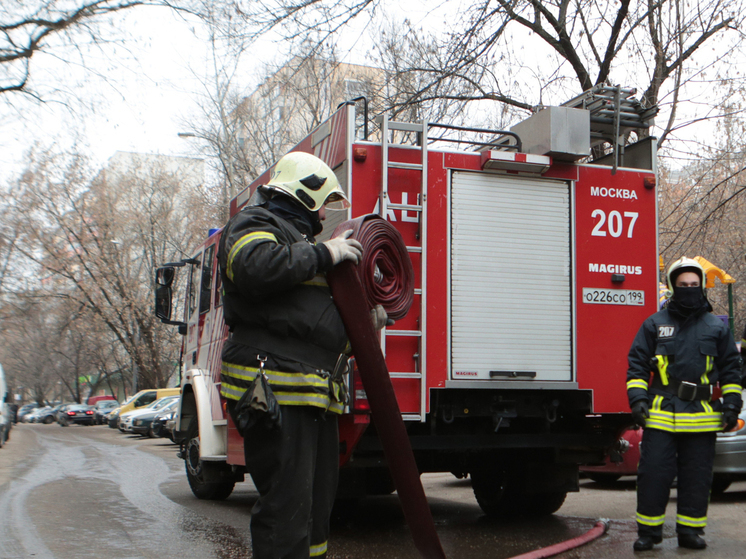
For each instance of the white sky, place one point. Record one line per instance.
(151, 88)
(138, 96)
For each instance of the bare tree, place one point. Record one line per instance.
(528, 53)
(27, 351)
(94, 242)
(703, 208)
(243, 134)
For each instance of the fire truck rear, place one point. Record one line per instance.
(533, 269)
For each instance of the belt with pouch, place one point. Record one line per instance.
(689, 391)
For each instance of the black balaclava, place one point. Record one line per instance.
(688, 301)
(288, 208)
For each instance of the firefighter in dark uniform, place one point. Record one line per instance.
(689, 350)
(283, 322)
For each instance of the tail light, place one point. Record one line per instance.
(89, 412)
(360, 402)
(71, 413)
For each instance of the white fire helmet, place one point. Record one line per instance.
(309, 180)
(682, 265)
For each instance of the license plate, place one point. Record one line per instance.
(600, 296)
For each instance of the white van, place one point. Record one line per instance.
(5, 420)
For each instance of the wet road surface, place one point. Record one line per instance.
(91, 492)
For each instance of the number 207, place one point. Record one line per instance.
(615, 225)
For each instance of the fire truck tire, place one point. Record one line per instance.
(343, 511)
(196, 469)
(378, 481)
(495, 493)
(604, 479)
(544, 504)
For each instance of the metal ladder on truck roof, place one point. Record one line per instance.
(384, 205)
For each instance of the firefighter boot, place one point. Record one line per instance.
(691, 541)
(646, 543)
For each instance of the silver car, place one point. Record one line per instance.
(730, 457)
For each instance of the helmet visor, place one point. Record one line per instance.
(336, 201)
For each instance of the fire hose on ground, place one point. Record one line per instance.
(385, 276)
(598, 530)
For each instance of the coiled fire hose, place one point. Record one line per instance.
(385, 277)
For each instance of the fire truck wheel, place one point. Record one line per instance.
(343, 511)
(494, 492)
(197, 470)
(544, 504)
(378, 482)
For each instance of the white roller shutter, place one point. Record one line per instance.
(511, 307)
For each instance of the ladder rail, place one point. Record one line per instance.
(384, 205)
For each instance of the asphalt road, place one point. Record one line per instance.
(91, 492)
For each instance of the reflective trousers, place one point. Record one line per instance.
(295, 470)
(664, 456)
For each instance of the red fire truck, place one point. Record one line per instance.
(534, 270)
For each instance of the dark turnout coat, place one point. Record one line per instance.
(278, 306)
(699, 352)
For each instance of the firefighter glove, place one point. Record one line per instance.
(730, 418)
(378, 317)
(640, 412)
(343, 248)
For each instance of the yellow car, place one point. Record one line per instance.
(139, 400)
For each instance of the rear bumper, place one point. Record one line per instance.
(730, 455)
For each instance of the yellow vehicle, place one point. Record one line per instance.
(139, 400)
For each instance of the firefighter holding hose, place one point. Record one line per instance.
(283, 362)
(689, 350)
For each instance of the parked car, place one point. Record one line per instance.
(25, 410)
(142, 423)
(93, 400)
(146, 397)
(6, 419)
(101, 408)
(82, 414)
(47, 415)
(112, 417)
(170, 427)
(730, 458)
(163, 423)
(34, 416)
(126, 418)
(60, 415)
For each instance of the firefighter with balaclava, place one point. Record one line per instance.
(689, 351)
(284, 359)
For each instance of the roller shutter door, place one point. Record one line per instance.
(511, 304)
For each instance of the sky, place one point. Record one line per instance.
(134, 104)
(138, 95)
(135, 96)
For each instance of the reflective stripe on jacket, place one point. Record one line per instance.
(277, 305)
(701, 352)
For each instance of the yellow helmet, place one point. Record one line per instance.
(682, 265)
(309, 180)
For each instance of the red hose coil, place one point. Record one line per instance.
(386, 270)
(357, 289)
